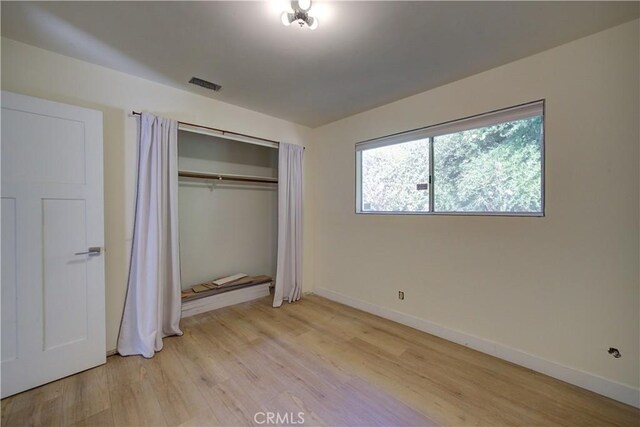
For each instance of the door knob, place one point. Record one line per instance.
(94, 250)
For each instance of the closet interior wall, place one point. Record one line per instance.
(226, 227)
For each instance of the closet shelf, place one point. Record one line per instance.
(227, 177)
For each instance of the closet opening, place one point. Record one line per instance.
(228, 219)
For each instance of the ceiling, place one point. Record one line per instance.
(363, 55)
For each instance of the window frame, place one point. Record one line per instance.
(503, 115)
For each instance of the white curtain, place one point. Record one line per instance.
(152, 308)
(289, 267)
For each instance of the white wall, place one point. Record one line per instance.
(563, 288)
(37, 72)
(226, 227)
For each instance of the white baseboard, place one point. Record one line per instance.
(612, 389)
(225, 299)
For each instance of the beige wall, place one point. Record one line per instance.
(226, 227)
(564, 287)
(36, 72)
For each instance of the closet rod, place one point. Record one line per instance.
(135, 113)
(222, 177)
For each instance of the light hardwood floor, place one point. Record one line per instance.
(337, 365)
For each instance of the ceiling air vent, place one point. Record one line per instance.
(209, 85)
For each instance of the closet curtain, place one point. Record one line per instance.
(289, 265)
(152, 308)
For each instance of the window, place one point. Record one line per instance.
(491, 164)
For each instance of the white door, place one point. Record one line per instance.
(53, 319)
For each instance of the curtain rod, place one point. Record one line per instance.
(135, 113)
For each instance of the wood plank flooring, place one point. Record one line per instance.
(336, 365)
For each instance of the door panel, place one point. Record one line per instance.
(9, 284)
(53, 321)
(61, 159)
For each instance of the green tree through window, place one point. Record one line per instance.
(490, 169)
(390, 175)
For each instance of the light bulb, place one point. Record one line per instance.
(285, 19)
(304, 4)
(314, 23)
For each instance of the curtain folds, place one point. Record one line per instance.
(152, 308)
(289, 265)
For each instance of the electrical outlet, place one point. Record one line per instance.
(400, 295)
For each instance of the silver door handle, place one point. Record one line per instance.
(94, 250)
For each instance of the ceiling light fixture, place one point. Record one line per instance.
(300, 13)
